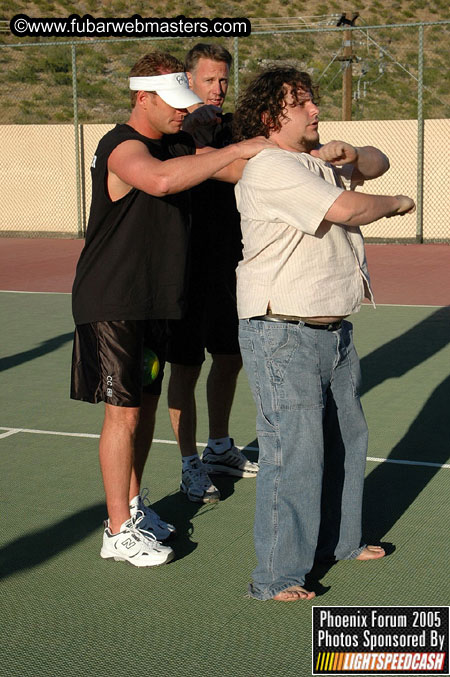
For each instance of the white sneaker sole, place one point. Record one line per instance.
(211, 498)
(106, 555)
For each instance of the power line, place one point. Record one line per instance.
(397, 63)
(290, 22)
(327, 67)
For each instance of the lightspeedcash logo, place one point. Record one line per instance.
(384, 640)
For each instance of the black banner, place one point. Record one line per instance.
(385, 640)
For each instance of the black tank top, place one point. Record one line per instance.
(216, 223)
(133, 265)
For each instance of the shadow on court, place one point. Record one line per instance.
(387, 495)
(397, 357)
(179, 510)
(43, 348)
(35, 548)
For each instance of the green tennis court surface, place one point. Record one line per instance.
(64, 611)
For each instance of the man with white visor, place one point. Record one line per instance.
(130, 280)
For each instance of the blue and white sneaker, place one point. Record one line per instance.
(196, 484)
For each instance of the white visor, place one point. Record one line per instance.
(173, 88)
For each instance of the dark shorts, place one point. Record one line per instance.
(115, 362)
(211, 323)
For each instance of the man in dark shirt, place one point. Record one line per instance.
(130, 281)
(211, 320)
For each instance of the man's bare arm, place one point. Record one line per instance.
(231, 173)
(369, 162)
(359, 209)
(130, 165)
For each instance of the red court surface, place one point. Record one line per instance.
(401, 274)
(38, 264)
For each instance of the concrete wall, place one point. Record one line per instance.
(37, 179)
(398, 139)
(38, 175)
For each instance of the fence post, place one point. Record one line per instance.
(82, 178)
(236, 71)
(420, 142)
(77, 144)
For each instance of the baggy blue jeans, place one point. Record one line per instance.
(312, 437)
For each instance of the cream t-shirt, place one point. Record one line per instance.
(292, 260)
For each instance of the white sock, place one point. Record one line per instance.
(185, 460)
(220, 444)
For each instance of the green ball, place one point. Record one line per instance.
(151, 367)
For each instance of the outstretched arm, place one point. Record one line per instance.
(359, 209)
(130, 165)
(369, 162)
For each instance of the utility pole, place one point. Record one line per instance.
(347, 76)
(347, 19)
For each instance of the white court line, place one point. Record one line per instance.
(15, 291)
(402, 305)
(400, 462)
(13, 431)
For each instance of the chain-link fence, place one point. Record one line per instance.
(386, 86)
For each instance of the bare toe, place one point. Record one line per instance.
(294, 594)
(371, 552)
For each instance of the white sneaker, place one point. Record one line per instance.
(230, 462)
(132, 546)
(151, 522)
(196, 484)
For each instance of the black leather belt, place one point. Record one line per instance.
(331, 326)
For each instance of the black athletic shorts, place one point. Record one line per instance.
(116, 361)
(211, 322)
